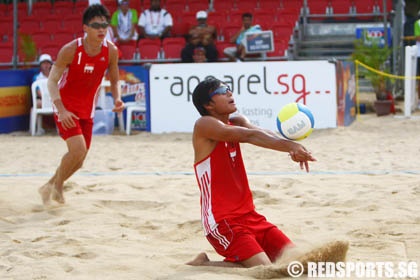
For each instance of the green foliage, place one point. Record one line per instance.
(370, 52)
(28, 47)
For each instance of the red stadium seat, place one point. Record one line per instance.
(229, 31)
(180, 29)
(28, 25)
(6, 52)
(63, 7)
(247, 5)
(175, 6)
(264, 18)
(4, 9)
(363, 6)
(218, 19)
(128, 51)
(177, 40)
(41, 38)
(197, 5)
(220, 46)
(318, 7)
(52, 49)
(80, 6)
(172, 47)
(280, 46)
(42, 9)
(149, 48)
(235, 17)
(189, 18)
(281, 31)
(223, 5)
(42, 5)
(63, 37)
(272, 5)
(51, 26)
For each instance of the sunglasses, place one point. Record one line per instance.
(220, 90)
(98, 25)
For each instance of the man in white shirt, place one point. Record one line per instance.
(155, 22)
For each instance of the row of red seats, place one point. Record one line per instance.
(169, 49)
(69, 26)
(46, 8)
(324, 7)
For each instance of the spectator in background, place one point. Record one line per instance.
(238, 52)
(45, 64)
(201, 35)
(155, 22)
(199, 55)
(123, 22)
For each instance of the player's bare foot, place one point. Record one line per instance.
(199, 260)
(45, 192)
(58, 196)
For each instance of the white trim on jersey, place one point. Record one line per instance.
(203, 173)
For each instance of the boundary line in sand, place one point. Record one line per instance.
(258, 173)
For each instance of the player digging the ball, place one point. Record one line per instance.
(73, 84)
(232, 226)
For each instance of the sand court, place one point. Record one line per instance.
(132, 211)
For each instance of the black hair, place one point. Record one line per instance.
(96, 10)
(246, 15)
(201, 94)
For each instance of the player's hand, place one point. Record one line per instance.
(118, 106)
(301, 155)
(67, 119)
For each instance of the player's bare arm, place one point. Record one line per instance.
(114, 78)
(208, 129)
(64, 58)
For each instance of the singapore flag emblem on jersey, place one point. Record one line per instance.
(89, 67)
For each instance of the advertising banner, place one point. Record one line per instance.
(257, 42)
(374, 35)
(260, 90)
(135, 88)
(346, 93)
(15, 100)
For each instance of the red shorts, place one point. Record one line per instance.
(83, 126)
(238, 239)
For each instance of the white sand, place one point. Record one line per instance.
(133, 210)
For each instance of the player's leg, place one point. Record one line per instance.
(78, 147)
(274, 242)
(78, 140)
(234, 241)
(70, 163)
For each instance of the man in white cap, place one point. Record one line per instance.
(45, 64)
(201, 35)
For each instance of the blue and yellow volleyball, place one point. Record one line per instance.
(295, 121)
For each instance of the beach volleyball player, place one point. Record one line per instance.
(232, 226)
(73, 84)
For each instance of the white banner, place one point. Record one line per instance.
(260, 89)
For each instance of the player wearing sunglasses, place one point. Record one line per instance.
(231, 224)
(73, 84)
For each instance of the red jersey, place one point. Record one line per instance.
(223, 184)
(81, 80)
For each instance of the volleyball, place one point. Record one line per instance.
(295, 121)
